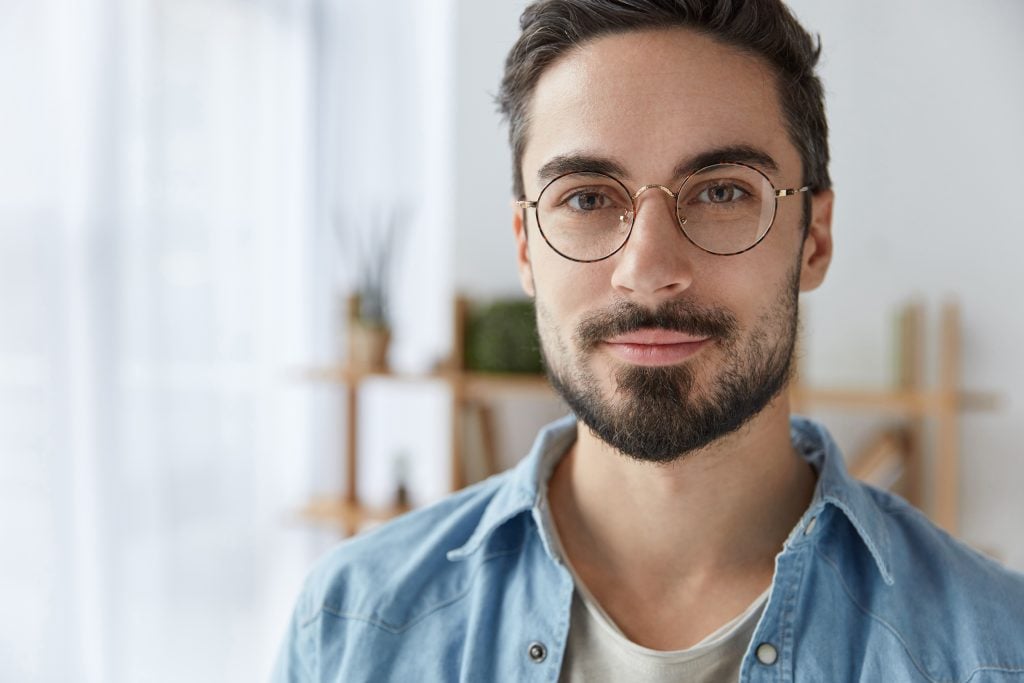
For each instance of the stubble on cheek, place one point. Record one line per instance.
(554, 349)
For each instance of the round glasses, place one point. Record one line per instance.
(724, 209)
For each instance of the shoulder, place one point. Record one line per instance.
(388, 603)
(925, 556)
(397, 574)
(910, 598)
(889, 557)
(389, 576)
(955, 611)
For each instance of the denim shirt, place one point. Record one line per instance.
(469, 589)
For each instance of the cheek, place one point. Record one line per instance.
(748, 284)
(565, 293)
(568, 290)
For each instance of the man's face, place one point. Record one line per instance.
(663, 348)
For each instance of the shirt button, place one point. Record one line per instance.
(537, 652)
(810, 526)
(767, 654)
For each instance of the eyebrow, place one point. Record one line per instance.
(737, 153)
(578, 162)
(581, 162)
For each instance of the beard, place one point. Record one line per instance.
(657, 414)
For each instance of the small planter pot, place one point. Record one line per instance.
(368, 347)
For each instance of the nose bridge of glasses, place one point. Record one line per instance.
(653, 186)
(631, 214)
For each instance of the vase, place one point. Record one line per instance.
(368, 347)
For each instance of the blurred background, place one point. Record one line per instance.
(192, 190)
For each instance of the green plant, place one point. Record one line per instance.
(502, 337)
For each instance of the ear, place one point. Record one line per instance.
(817, 253)
(523, 251)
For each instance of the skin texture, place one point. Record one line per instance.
(696, 535)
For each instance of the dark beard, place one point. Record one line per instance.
(658, 418)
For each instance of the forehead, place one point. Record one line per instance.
(648, 99)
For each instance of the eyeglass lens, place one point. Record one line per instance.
(723, 209)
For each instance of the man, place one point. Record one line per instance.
(670, 162)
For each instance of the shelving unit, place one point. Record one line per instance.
(919, 408)
(468, 389)
(911, 400)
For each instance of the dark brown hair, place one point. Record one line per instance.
(765, 28)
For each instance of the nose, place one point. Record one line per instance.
(655, 263)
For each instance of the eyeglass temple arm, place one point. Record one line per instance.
(790, 193)
(524, 204)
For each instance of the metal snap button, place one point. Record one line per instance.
(767, 654)
(537, 652)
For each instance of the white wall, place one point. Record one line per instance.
(484, 256)
(925, 102)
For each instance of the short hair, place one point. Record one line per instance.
(764, 28)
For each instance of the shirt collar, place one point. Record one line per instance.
(524, 490)
(836, 488)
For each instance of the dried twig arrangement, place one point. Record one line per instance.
(369, 250)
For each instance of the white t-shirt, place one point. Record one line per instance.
(598, 651)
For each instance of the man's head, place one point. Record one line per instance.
(662, 347)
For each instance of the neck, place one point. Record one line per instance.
(718, 515)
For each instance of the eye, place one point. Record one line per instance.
(589, 200)
(722, 193)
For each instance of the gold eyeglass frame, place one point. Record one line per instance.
(525, 204)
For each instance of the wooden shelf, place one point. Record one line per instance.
(347, 516)
(471, 393)
(482, 384)
(909, 403)
(921, 408)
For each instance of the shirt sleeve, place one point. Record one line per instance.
(296, 658)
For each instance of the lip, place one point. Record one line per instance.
(654, 347)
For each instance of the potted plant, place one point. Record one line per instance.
(502, 337)
(369, 248)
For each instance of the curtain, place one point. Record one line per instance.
(162, 276)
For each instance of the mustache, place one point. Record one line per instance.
(677, 315)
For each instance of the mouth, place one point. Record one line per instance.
(654, 346)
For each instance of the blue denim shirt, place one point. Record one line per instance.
(469, 589)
